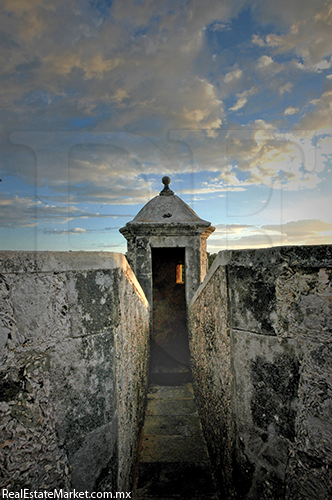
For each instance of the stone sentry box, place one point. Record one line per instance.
(166, 221)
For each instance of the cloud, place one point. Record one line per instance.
(309, 34)
(318, 67)
(213, 188)
(268, 156)
(20, 212)
(84, 166)
(75, 230)
(324, 145)
(25, 212)
(220, 26)
(120, 247)
(300, 232)
(239, 236)
(257, 154)
(94, 66)
(267, 67)
(132, 70)
(119, 95)
(257, 40)
(233, 75)
(318, 119)
(31, 23)
(63, 63)
(243, 242)
(84, 61)
(232, 228)
(264, 61)
(287, 87)
(306, 228)
(291, 111)
(242, 98)
(17, 212)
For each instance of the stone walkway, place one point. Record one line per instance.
(173, 460)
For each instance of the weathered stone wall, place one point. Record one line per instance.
(74, 333)
(261, 338)
(210, 346)
(140, 258)
(140, 255)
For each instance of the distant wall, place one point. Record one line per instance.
(74, 349)
(260, 339)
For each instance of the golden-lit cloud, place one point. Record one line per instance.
(240, 236)
(63, 63)
(97, 66)
(291, 111)
(233, 75)
(306, 228)
(119, 95)
(309, 36)
(318, 119)
(243, 97)
(268, 155)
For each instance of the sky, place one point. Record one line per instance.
(100, 99)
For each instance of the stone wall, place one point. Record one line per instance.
(74, 348)
(140, 255)
(261, 338)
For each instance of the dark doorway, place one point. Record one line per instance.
(169, 343)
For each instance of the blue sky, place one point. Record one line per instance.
(100, 99)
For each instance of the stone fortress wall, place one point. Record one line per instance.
(261, 338)
(74, 351)
(74, 348)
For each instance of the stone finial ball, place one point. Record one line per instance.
(166, 180)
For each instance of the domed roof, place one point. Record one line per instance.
(164, 210)
(167, 208)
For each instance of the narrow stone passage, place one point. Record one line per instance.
(173, 459)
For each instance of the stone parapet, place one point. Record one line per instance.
(74, 334)
(260, 338)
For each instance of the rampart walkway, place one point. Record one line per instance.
(173, 460)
